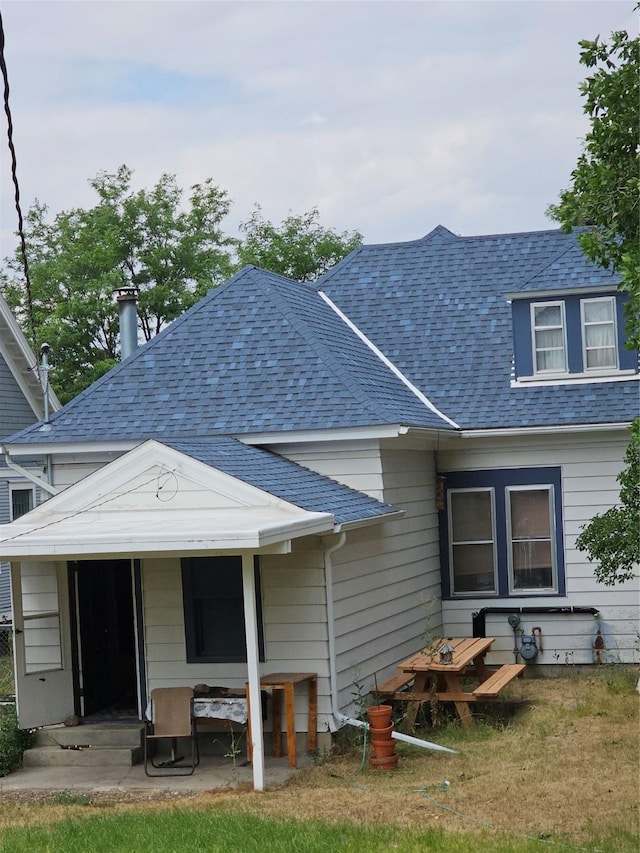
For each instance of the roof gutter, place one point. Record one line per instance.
(339, 718)
(368, 522)
(542, 430)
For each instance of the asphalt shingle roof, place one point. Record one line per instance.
(259, 354)
(437, 307)
(284, 479)
(263, 354)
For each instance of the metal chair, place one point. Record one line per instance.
(171, 718)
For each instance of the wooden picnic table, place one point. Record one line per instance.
(435, 679)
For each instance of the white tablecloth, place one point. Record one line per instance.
(233, 708)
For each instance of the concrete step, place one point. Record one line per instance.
(55, 756)
(99, 744)
(115, 735)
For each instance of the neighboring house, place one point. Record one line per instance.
(407, 449)
(21, 404)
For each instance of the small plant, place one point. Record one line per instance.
(67, 798)
(234, 749)
(13, 741)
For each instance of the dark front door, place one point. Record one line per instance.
(105, 633)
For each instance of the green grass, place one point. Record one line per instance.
(178, 830)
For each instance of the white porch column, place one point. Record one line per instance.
(255, 703)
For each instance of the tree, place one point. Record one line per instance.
(605, 196)
(605, 190)
(144, 239)
(299, 248)
(613, 538)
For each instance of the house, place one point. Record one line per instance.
(319, 478)
(21, 404)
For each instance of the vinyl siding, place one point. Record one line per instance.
(387, 579)
(295, 627)
(15, 411)
(589, 464)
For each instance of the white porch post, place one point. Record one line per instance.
(255, 703)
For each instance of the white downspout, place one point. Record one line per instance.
(340, 718)
(29, 475)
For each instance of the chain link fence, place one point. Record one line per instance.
(7, 687)
(6, 639)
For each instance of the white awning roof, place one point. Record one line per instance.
(157, 501)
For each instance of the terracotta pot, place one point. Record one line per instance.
(380, 734)
(389, 762)
(379, 716)
(384, 748)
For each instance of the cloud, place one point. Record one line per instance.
(388, 116)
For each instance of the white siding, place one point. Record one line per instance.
(590, 464)
(387, 579)
(295, 627)
(355, 464)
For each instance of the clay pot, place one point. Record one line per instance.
(389, 762)
(384, 748)
(380, 734)
(379, 716)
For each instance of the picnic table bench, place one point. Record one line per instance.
(435, 676)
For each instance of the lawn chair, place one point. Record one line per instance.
(171, 718)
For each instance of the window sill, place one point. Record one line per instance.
(574, 378)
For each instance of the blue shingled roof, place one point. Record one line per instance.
(437, 307)
(263, 354)
(259, 354)
(284, 479)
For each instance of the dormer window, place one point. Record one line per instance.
(548, 327)
(599, 333)
(579, 336)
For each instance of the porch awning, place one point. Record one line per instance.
(155, 500)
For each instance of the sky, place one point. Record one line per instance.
(389, 117)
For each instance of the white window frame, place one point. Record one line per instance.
(20, 487)
(534, 328)
(452, 584)
(534, 487)
(607, 368)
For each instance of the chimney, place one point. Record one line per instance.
(128, 315)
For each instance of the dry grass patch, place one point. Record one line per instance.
(564, 765)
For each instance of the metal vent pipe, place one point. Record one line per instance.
(128, 316)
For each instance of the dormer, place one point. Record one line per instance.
(570, 335)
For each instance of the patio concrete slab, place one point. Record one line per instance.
(212, 773)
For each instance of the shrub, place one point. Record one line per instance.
(13, 741)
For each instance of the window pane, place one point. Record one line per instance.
(21, 502)
(214, 609)
(530, 513)
(473, 568)
(548, 315)
(471, 518)
(532, 565)
(548, 338)
(599, 333)
(472, 547)
(531, 538)
(598, 310)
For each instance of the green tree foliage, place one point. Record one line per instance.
(613, 538)
(605, 196)
(605, 185)
(171, 251)
(148, 239)
(299, 248)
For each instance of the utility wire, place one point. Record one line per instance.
(14, 175)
